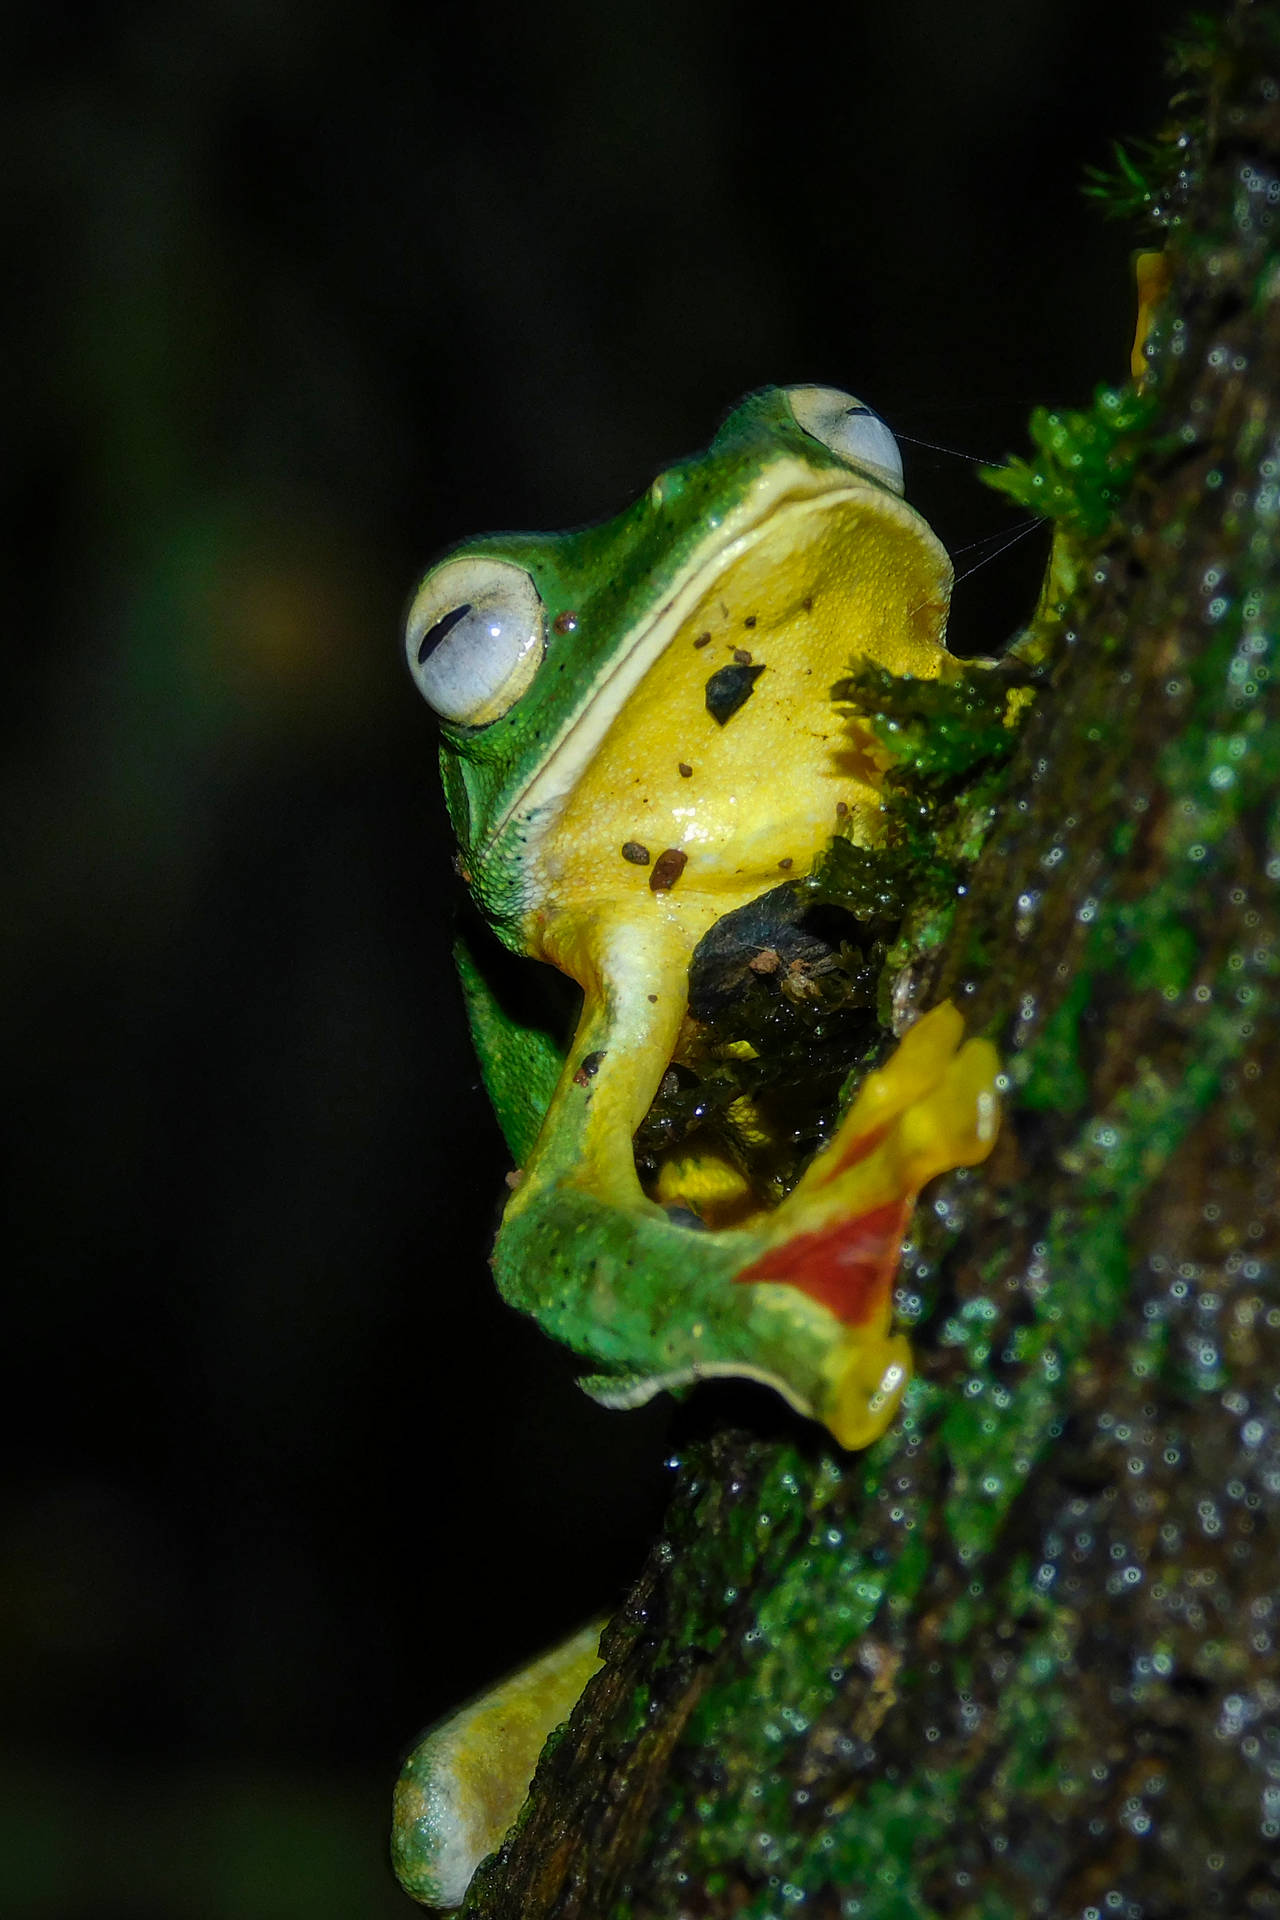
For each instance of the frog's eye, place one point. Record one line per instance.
(849, 430)
(474, 639)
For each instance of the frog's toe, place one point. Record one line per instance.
(868, 1381)
(930, 1108)
(838, 1236)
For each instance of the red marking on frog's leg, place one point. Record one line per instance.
(848, 1267)
(842, 1158)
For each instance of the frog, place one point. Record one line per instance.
(638, 740)
(639, 748)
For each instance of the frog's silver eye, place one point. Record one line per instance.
(475, 638)
(850, 431)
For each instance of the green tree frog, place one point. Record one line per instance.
(637, 739)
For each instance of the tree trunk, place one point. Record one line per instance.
(1019, 1659)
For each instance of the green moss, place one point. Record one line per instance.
(1152, 182)
(1147, 181)
(1083, 462)
(1050, 1078)
(949, 741)
(935, 730)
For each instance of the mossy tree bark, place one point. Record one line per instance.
(1020, 1658)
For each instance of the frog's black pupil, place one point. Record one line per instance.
(852, 410)
(434, 635)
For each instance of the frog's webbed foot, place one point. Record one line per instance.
(466, 1779)
(837, 1238)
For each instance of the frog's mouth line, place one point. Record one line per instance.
(789, 487)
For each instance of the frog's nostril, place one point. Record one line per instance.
(667, 487)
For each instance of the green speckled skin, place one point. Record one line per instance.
(1020, 1659)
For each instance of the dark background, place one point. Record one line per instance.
(299, 293)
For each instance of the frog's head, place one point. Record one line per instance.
(636, 718)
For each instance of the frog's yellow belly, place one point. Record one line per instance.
(728, 766)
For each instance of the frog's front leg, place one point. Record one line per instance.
(799, 1297)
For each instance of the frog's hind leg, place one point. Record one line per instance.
(837, 1238)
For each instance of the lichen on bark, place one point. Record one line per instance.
(1019, 1659)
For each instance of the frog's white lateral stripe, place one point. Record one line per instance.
(787, 484)
(636, 1390)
